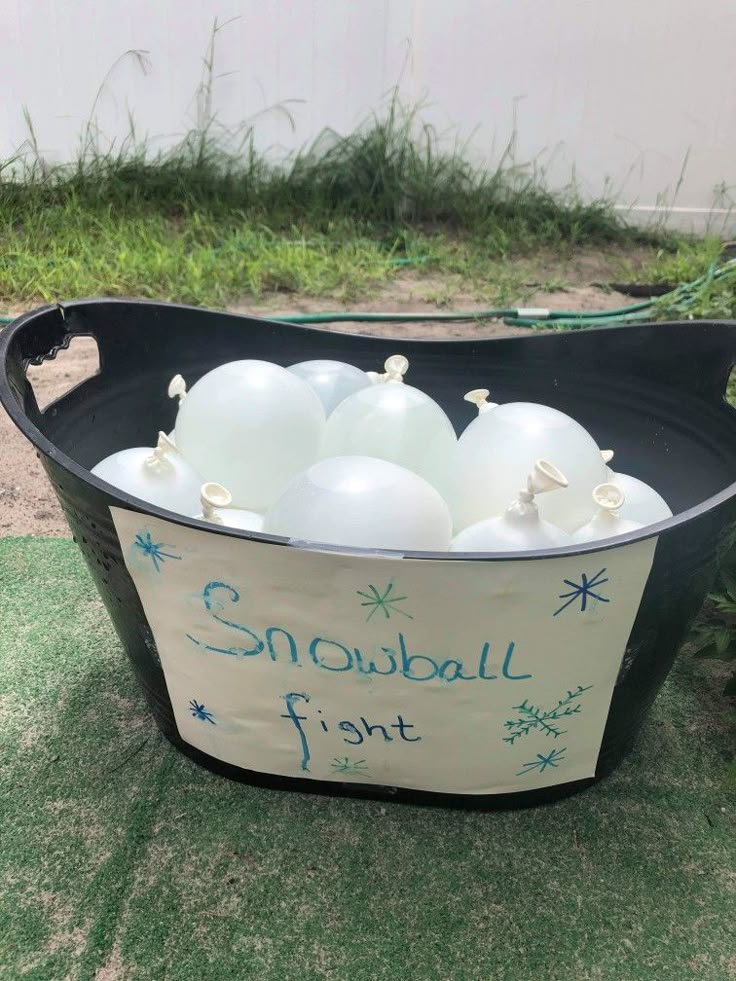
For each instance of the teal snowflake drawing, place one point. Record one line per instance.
(200, 712)
(154, 550)
(582, 591)
(535, 719)
(541, 763)
(349, 767)
(385, 602)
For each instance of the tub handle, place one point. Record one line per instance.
(52, 334)
(20, 348)
(60, 324)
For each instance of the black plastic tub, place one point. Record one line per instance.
(437, 729)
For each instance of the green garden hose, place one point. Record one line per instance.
(684, 295)
(389, 318)
(532, 317)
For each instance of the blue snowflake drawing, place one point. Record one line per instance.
(582, 591)
(554, 758)
(384, 601)
(200, 712)
(154, 550)
(349, 767)
(534, 719)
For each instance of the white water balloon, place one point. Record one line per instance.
(332, 381)
(177, 390)
(608, 520)
(642, 503)
(479, 398)
(216, 507)
(250, 425)
(362, 502)
(159, 475)
(395, 422)
(493, 456)
(519, 528)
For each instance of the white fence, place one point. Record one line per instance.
(636, 97)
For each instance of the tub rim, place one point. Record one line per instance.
(131, 503)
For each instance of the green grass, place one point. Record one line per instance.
(679, 260)
(213, 220)
(712, 300)
(68, 250)
(121, 859)
(204, 225)
(684, 260)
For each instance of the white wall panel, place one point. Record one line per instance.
(623, 93)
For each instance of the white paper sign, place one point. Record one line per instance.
(449, 676)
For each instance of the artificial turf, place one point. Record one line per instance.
(121, 859)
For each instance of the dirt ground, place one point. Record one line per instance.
(28, 506)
